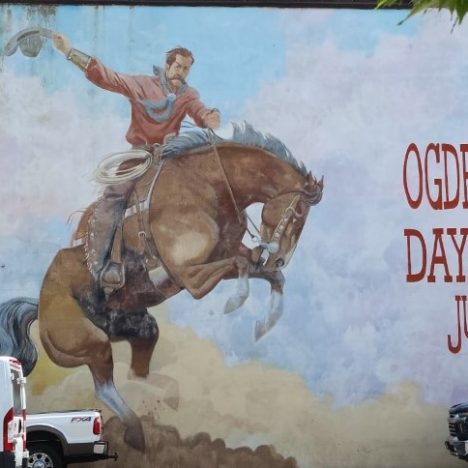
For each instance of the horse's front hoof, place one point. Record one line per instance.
(231, 305)
(260, 330)
(135, 438)
(234, 303)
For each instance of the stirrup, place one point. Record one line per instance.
(112, 277)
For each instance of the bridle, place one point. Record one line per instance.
(290, 212)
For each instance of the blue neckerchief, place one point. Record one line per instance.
(160, 111)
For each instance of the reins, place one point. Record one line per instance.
(211, 135)
(255, 238)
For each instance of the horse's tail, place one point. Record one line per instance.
(16, 317)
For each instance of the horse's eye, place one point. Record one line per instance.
(279, 262)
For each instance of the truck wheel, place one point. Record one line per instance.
(44, 456)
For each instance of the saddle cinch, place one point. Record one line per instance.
(137, 204)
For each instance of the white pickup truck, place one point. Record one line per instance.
(43, 440)
(59, 438)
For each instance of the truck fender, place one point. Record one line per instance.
(50, 431)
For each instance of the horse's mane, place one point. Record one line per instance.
(244, 134)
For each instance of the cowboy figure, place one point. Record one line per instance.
(159, 103)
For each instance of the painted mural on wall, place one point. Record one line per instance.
(170, 254)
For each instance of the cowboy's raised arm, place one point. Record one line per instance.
(94, 69)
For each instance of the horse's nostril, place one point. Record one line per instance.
(279, 262)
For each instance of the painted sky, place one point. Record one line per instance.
(347, 91)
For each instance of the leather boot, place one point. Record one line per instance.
(107, 216)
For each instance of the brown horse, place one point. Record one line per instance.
(197, 220)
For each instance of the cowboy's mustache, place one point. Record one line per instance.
(177, 77)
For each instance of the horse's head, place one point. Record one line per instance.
(283, 218)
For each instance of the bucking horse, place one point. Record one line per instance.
(183, 229)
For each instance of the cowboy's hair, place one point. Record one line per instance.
(171, 54)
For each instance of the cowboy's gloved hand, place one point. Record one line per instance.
(62, 43)
(212, 119)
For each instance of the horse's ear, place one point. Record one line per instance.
(320, 183)
(311, 180)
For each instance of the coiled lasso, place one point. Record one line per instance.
(109, 171)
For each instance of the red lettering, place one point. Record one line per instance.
(460, 278)
(464, 150)
(414, 277)
(456, 348)
(413, 203)
(420, 180)
(439, 259)
(437, 203)
(449, 149)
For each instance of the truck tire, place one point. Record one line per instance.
(44, 456)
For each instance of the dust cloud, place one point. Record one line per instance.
(165, 448)
(196, 412)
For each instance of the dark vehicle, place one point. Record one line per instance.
(457, 442)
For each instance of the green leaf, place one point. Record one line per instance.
(458, 8)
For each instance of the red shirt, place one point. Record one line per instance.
(144, 129)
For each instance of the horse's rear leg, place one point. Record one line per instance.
(106, 391)
(141, 331)
(71, 340)
(142, 351)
